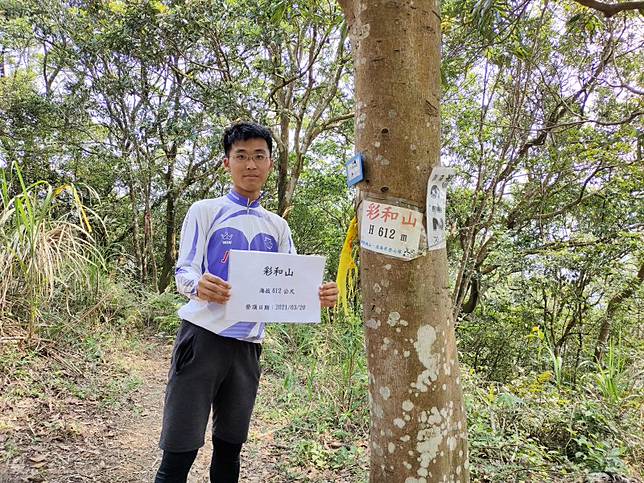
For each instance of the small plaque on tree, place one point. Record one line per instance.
(391, 230)
(355, 170)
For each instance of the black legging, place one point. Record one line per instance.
(224, 466)
(174, 467)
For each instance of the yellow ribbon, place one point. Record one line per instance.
(347, 268)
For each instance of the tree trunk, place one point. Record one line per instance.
(170, 250)
(136, 240)
(148, 239)
(613, 305)
(418, 425)
(170, 255)
(282, 163)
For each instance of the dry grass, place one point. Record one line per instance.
(45, 243)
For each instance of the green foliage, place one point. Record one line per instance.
(43, 248)
(534, 427)
(544, 432)
(321, 216)
(127, 101)
(610, 375)
(320, 401)
(557, 366)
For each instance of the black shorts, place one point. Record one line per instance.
(209, 371)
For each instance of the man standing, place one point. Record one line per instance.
(215, 364)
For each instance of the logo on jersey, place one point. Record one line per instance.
(226, 238)
(268, 242)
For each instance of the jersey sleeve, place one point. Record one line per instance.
(191, 254)
(286, 241)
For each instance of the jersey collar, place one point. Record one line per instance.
(242, 200)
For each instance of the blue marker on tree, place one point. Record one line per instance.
(355, 169)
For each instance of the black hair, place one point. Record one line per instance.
(243, 131)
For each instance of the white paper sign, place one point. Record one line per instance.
(274, 287)
(436, 205)
(392, 230)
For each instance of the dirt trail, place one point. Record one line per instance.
(121, 446)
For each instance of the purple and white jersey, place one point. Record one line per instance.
(212, 228)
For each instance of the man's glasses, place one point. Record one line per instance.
(243, 157)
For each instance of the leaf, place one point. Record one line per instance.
(574, 19)
(38, 458)
(279, 11)
(117, 6)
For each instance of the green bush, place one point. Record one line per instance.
(542, 431)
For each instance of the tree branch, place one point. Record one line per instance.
(610, 9)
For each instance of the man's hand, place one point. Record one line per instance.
(328, 294)
(211, 288)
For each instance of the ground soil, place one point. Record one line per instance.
(74, 440)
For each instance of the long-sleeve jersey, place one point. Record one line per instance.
(211, 228)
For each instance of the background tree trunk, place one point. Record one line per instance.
(613, 305)
(282, 163)
(418, 425)
(136, 239)
(170, 250)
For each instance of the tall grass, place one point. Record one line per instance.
(45, 244)
(556, 362)
(610, 375)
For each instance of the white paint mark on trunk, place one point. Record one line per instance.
(372, 323)
(382, 160)
(364, 31)
(393, 319)
(451, 443)
(428, 442)
(385, 344)
(426, 338)
(377, 410)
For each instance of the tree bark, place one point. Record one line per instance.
(136, 239)
(418, 424)
(148, 238)
(170, 252)
(282, 163)
(610, 9)
(170, 249)
(613, 305)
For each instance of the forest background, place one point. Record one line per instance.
(111, 115)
